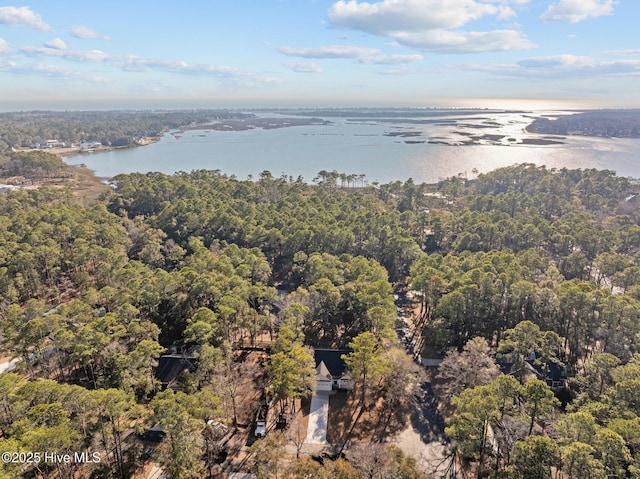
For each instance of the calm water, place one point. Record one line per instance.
(369, 147)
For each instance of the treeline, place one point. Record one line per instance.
(557, 248)
(608, 123)
(113, 128)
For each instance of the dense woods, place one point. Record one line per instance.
(34, 165)
(114, 128)
(512, 274)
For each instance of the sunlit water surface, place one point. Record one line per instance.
(366, 147)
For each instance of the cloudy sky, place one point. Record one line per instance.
(209, 53)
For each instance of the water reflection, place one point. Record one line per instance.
(373, 148)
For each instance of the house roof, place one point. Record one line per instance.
(323, 372)
(332, 360)
(556, 371)
(170, 366)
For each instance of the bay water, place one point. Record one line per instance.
(384, 150)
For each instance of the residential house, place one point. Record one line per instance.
(332, 372)
(553, 372)
(172, 366)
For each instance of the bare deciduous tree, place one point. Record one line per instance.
(474, 366)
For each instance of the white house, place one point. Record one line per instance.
(332, 372)
(324, 381)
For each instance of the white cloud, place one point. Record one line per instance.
(86, 55)
(22, 17)
(135, 63)
(360, 54)
(447, 41)
(575, 11)
(430, 24)
(71, 55)
(565, 66)
(564, 61)
(85, 33)
(574, 65)
(402, 71)
(99, 79)
(38, 69)
(333, 51)
(52, 70)
(391, 16)
(4, 47)
(304, 67)
(624, 52)
(505, 13)
(56, 43)
(391, 59)
(7, 65)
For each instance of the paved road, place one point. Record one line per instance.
(318, 418)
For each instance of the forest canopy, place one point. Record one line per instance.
(521, 264)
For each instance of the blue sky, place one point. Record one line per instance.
(269, 53)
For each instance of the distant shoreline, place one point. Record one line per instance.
(77, 151)
(246, 146)
(594, 123)
(244, 124)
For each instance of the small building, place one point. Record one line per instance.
(85, 145)
(556, 376)
(553, 373)
(172, 366)
(332, 372)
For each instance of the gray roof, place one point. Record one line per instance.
(170, 366)
(332, 360)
